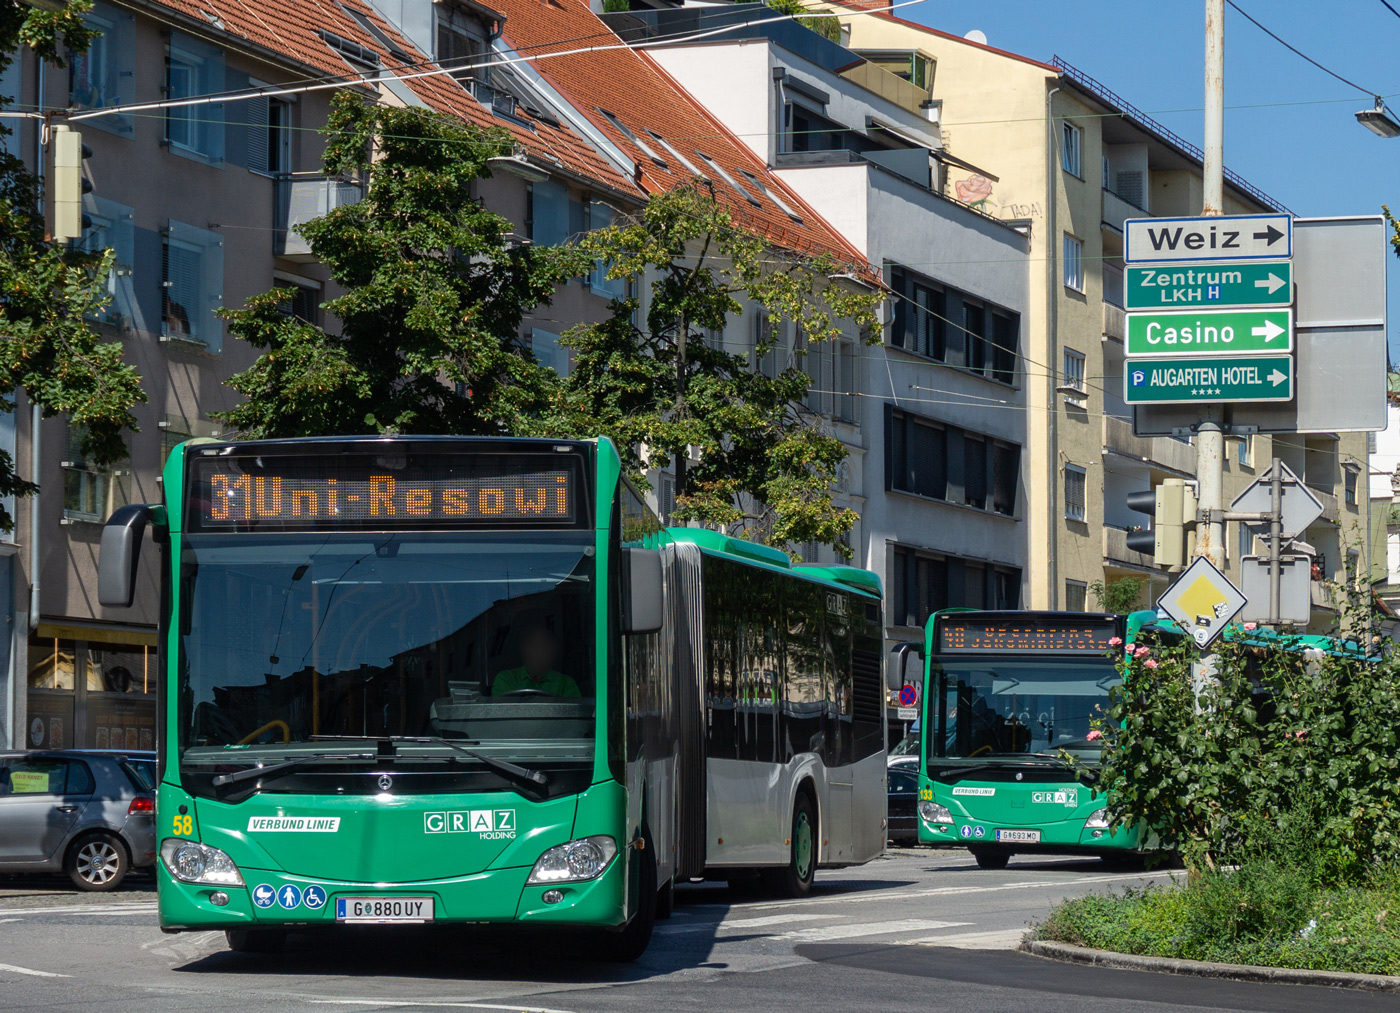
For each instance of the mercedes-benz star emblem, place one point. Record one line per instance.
(385, 782)
(1019, 775)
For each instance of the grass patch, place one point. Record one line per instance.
(1264, 914)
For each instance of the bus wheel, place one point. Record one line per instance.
(1123, 861)
(991, 859)
(666, 900)
(795, 879)
(256, 940)
(631, 942)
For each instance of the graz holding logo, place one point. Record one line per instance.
(487, 824)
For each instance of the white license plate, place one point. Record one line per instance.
(1019, 836)
(384, 910)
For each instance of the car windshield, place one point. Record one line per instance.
(297, 645)
(1002, 706)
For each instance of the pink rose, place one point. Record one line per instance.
(1141, 651)
(1114, 641)
(1150, 663)
(1094, 734)
(1251, 626)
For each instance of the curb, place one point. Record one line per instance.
(1208, 969)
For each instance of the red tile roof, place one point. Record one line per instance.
(635, 89)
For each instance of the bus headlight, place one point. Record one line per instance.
(1098, 820)
(192, 862)
(932, 812)
(575, 861)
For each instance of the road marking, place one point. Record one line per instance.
(516, 1007)
(85, 909)
(740, 924)
(999, 939)
(834, 933)
(31, 971)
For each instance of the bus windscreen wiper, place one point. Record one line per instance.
(532, 778)
(258, 771)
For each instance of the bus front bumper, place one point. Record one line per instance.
(1061, 837)
(494, 896)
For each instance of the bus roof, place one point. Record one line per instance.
(1261, 636)
(717, 543)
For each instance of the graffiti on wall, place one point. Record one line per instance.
(977, 191)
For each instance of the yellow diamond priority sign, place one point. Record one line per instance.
(1203, 601)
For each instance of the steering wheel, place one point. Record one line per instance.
(527, 692)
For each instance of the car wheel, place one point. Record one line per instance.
(795, 879)
(97, 862)
(256, 940)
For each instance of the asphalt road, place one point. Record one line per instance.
(917, 930)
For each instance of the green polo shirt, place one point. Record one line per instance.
(554, 683)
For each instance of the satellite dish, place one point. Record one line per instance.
(976, 36)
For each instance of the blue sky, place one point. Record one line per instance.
(1289, 127)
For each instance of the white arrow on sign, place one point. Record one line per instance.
(1268, 330)
(1277, 378)
(1273, 283)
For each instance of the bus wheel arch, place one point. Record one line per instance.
(795, 878)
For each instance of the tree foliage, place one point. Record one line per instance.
(434, 295)
(1119, 596)
(49, 293)
(648, 377)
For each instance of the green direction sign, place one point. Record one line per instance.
(1209, 286)
(1207, 379)
(1210, 332)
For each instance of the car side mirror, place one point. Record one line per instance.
(643, 607)
(119, 555)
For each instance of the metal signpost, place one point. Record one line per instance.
(1281, 502)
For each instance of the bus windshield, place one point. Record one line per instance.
(294, 643)
(1012, 706)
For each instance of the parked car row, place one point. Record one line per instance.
(86, 812)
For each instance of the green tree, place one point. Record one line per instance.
(434, 295)
(49, 292)
(1120, 596)
(651, 379)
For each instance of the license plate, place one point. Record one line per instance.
(1019, 836)
(384, 910)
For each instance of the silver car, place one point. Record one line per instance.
(89, 813)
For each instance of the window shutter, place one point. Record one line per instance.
(258, 123)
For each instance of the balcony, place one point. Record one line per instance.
(1116, 211)
(302, 198)
(1115, 549)
(1158, 451)
(1330, 506)
(1323, 596)
(1115, 322)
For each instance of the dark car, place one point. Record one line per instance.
(89, 813)
(901, 812)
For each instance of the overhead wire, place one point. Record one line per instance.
(1298, 52)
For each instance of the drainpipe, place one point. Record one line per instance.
(1051, 266)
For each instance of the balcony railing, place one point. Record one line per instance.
(1115, 322)
(1116, 210)
(1161, 451)
(302, 198)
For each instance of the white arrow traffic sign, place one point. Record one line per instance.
(1273, 283)
(1268, 330)
(1276, 377)
(1213, 238)
(1298, 504)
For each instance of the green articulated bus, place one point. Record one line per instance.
(474, 680)
(1005, 696)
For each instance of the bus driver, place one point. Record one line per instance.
(539, 652)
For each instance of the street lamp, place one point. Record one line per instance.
(1379, 120)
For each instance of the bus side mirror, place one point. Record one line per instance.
(897, 674)
(643, 607)
(120, 552)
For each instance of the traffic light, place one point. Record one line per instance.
(68, 183)
(1173, 508)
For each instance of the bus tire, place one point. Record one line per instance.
(256, 940)
(795, 878)
(1123, 861)
(991, 859)
(631, 941)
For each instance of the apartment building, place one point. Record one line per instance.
(932, 415)
(200, 205)
(1077, 160)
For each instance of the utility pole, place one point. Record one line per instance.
(1210, 435)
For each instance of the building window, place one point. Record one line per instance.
(460, 45)
(548, 352)
(923, 582)
(600, 216)
(1245, 541)
(105, 75)
(547, 213)
(1245, 451)
(194, 68)
(943, 462)
(113, 228)
(1070, 145)
(1074, 371)
(847, 388)
(269, 136)
(305, 303)
(1349, 482)
(950, 326)
(1076, 596)
(193, 283)
(1074, 493)
(90, 491)
(626, 131)
(1074, 263)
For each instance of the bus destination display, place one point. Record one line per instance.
(297, 497)
(1010, 635)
